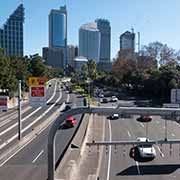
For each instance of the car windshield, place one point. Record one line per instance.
(85, 85)
(146, 146)
(68, 121)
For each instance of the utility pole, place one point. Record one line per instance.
(19, 111)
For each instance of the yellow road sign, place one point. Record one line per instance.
(36, 81)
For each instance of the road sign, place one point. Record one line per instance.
(3, 103)
(37, 91)
(37, 81)
(37, 96)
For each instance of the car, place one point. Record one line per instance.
(114, 116)
(145, 118)
(146, 150)
(70, 122)
(114, 99)
(101, 95)
(104, 100)
(67, 107)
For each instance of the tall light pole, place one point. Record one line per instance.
(19, 111)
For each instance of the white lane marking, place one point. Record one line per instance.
(42, 151)
(173, 134)
(24, 119)
(142, 125)
(137, 164)
(129, 134)
(160, 151)
(109, 159)
(4, 162)
(31, 124)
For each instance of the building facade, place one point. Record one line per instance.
(127, 41)
(71, 54)
(105, 44)
(11, 35)
(57, 38)
(89, 41)
(53, 57)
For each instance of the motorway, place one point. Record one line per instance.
(30, 162)
(117, 164)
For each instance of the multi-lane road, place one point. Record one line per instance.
(116, 162)
(30, 161)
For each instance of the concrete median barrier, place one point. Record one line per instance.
(70, 159)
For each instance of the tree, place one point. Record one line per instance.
(92, 72)
(160, 52)
(84, 72)
(37, 67)
(8, 81)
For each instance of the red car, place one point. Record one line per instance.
(145, 118)
(70, 122)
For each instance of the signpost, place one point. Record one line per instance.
(3, 103)
(37, 91)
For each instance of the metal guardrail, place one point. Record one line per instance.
(111, 143)
(104, 110)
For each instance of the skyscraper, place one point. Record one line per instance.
(127, 41)
(11, 35)
(89, 41)
(104, 27)
(57, 38)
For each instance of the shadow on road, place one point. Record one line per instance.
(149, 170)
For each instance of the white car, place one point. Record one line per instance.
(114, 99)
(101, 95)
(114, 116)
(146, 150)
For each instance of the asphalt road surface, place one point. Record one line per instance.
(31, 161)
(117, 163)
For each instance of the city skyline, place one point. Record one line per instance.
(150, 18)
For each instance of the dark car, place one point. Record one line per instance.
(146, 118)
(67, 107)
(104, 100)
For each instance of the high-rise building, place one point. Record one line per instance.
(71, 54)
(104, 27)
(127, 41)
(57, 38)
(89, 41)
(11, 35)
(53, 57)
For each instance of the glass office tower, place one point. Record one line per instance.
(58, 31)
(11, 35)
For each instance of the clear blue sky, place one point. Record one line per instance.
(155, 19)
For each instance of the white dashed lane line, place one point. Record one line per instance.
(161, 153)
(35, 159)
(129, 134)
